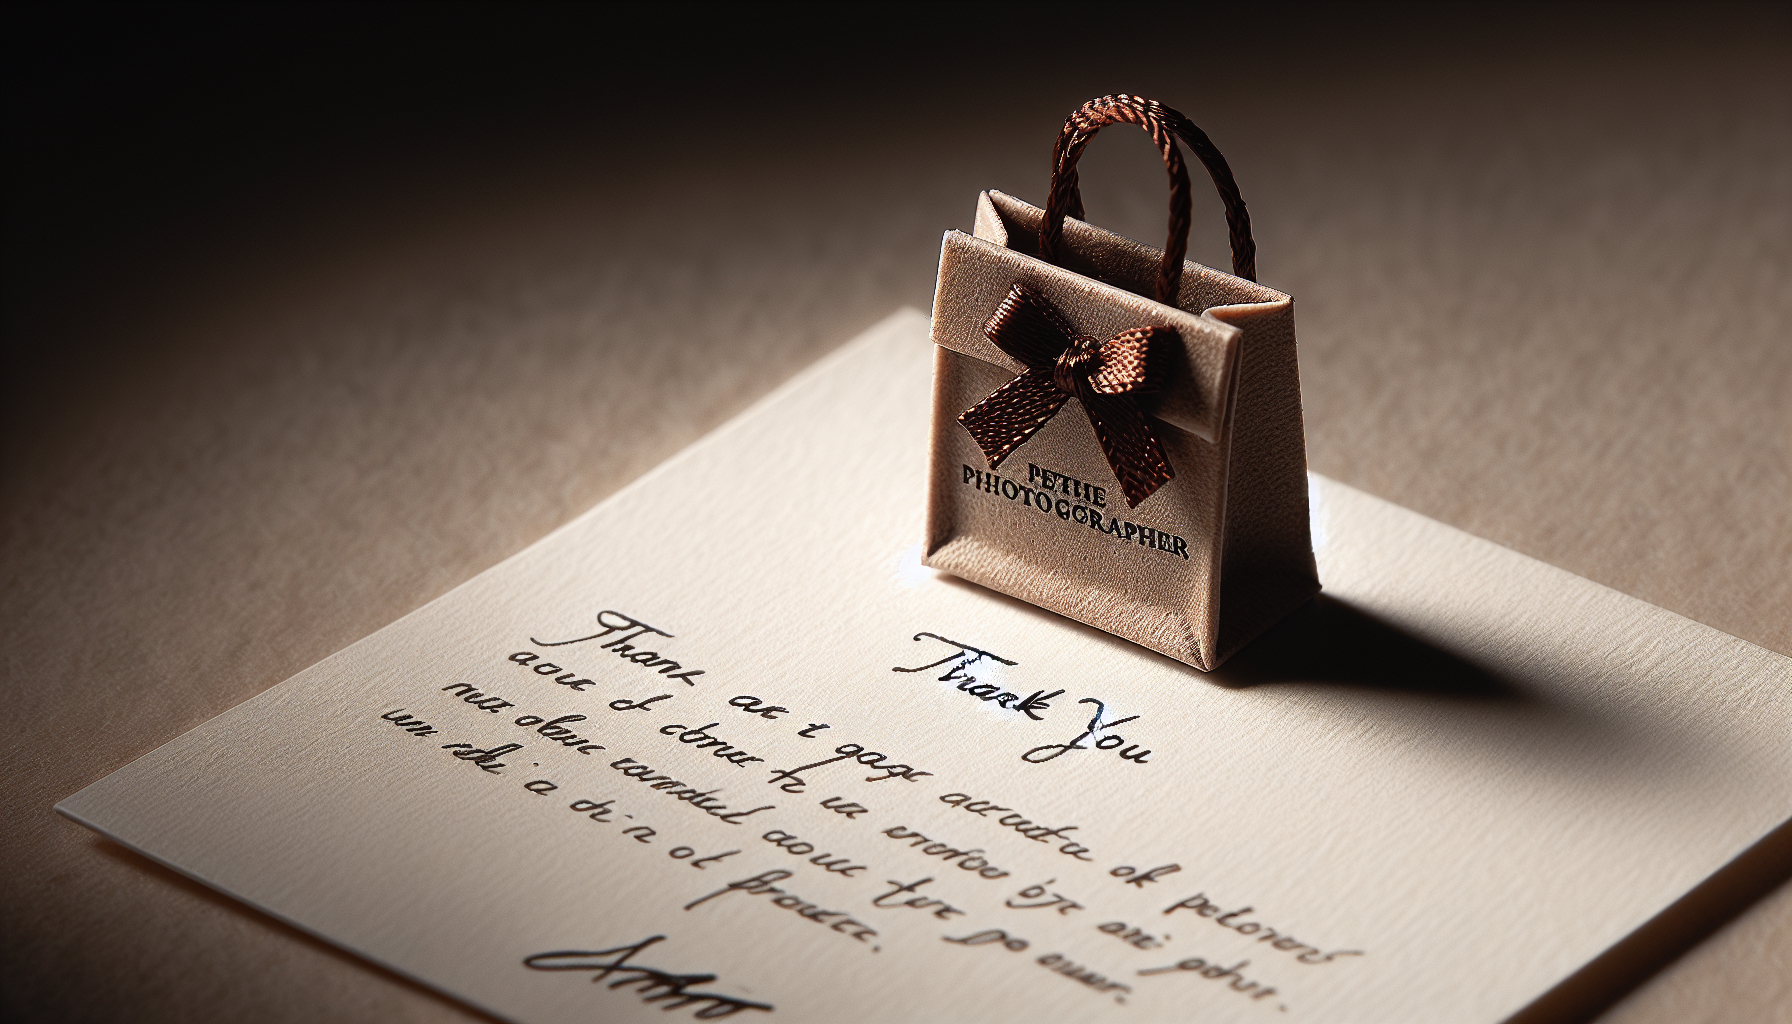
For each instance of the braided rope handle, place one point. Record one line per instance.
(1166, 125)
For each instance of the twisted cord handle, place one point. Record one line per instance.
(1165, 125)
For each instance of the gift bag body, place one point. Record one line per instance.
(1210, 558)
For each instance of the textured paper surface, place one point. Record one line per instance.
(1464, 774)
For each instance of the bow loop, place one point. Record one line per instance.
(1029, 328)
(1061, 364)
(1123, 368)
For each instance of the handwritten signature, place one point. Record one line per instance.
(653, 984)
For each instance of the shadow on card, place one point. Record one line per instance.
(1324, 641)
(1327, 641)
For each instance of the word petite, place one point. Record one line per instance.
(1047, 480)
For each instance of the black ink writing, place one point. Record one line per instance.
(754, 706)
(703, 800)
(967, 860)
(629, 646)
(761, 885)
(1043, 899)
(794, 845)
(532, 661)
(1279, 940)
(1040, 755)
(1215, 972)
(793, 782)
(596, 810)
(839, 805)
(651, 983)
(1020, 823)
(482, 701)
(1079, 973)
(686, 853)
(941, 909)
(600, 811)
(1133, 876)
(409, 723)
(557, 731)
(989, 935)
(702, 740)
(962, 658)
(487, 760)
(1131, 936)
(963, 654)
(637, 705)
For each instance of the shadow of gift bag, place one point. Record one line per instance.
(1116, 432)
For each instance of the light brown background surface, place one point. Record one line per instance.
(1541, 267)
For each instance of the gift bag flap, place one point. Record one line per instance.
(1118, 260)
(1102, 290)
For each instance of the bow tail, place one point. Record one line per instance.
(1012, 413)
(1133, 451)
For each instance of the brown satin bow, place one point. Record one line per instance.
(1105, 378)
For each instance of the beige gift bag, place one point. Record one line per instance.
(1116, 432)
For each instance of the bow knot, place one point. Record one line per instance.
(1070, 371)
(1105, 377)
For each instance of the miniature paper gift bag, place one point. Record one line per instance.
(1117, 433)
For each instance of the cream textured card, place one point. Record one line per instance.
(722, 747)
